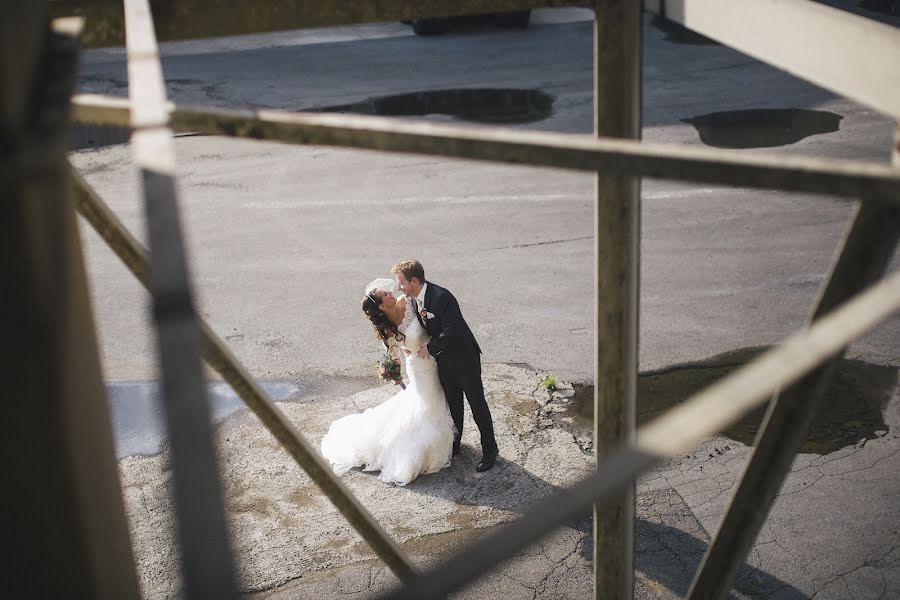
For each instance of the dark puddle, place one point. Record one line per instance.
(137, 418)
(679, 34)
(479, 105)
(763, 127)
(97, 136)
(851, 410)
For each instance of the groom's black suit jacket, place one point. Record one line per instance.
(459, 364)
(451, 338)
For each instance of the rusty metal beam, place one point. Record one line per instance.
(63, 519)
(617, 239)
(23, 30)
(852, 179)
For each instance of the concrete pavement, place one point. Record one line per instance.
(833, 533)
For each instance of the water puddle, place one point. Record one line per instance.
(97, 136)
(851, 410)
(678, 34)
(763, 127)
(482, 105)
(137, 418)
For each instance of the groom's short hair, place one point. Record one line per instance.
(410, 268)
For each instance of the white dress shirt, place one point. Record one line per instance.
(421, 297)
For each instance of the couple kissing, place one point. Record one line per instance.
(418, 430)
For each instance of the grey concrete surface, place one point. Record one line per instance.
(833, 532)
(138, 420)
(278, 232)
(283, 239)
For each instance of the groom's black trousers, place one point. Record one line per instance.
(462, 375)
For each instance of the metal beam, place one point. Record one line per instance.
(617, 239)
(63, 520)
(204, 543)
(711, 410)
(834, 49)
(851, 179)
(216, 352)
(23, 30)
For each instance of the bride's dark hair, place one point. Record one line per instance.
(385, 329)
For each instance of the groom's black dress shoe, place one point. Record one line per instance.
(487, 461)
(455, 449)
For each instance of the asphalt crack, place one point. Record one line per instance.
(546, 243)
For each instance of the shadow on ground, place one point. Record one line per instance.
(851, 410)
(671, 557)
(664, 554)
(679, 34)
(670, 542)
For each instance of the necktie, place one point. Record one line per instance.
(418, 314)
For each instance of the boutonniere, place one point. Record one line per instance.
(426, 315)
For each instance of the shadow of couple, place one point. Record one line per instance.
(669, 540)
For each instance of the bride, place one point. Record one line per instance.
(412, 432)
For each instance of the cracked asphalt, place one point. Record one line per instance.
(832, 534)
(282, 240)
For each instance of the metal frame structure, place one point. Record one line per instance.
(854, 301)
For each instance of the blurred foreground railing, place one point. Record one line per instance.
(36, 70)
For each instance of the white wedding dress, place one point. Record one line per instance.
(405, 436)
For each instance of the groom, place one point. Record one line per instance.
(456, 351)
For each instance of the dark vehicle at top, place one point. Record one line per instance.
(437, 25)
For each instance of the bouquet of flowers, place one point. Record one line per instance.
(389, 370)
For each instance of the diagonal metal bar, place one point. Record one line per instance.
(829, 47)
(495, 144)
(703, 414)
(866, 251)
(205, 547)
(216, 352)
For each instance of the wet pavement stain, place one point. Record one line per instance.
(762, 127)
(307, 495)
(481, 105)
(138, 421)
(851, 410)
(679, 34)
